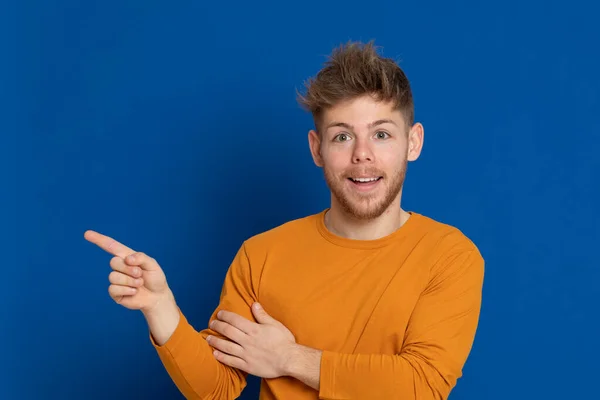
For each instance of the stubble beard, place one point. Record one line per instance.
(366, 206)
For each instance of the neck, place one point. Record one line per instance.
(345, 225)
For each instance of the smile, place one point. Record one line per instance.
(365, 180)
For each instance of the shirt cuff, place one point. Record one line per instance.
(179, 342)
(327, 375)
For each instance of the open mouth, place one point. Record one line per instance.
(365, 180)
(365, 183)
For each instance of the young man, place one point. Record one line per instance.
(363, 300)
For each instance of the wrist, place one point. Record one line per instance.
(300, 358)
(163, 318)
(304, 364)
(292, 359)
(165, 303)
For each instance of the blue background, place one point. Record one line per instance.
(173, 127)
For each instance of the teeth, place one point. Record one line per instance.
(364, 179)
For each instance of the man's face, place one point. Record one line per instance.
(364, 147)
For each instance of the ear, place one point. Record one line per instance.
(314, 143)
(416, 136)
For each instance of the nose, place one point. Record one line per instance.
(362, 152)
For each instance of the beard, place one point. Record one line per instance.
(366, 206)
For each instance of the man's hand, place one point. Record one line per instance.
(263, 349)
(136, 282)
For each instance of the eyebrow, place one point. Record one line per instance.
(371, 125)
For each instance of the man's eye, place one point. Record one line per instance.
(342, 137)
(381, 135)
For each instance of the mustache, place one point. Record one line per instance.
(363, 172)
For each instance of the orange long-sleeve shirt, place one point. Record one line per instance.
(395, 317)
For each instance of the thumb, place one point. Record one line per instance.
(261, 315)
(142, 260)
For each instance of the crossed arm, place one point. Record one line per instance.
(436, 345)
(266, 349)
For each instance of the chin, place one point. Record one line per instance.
(365, 209)
(362, 212)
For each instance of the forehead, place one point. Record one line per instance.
(361, 112)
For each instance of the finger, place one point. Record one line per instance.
(117, 292)
(142, 260)
(107, 244)
(262, 317)
(237, 321)
(226, 346)
(229, 331)
(232, 361)
(117, 264)
(118, 278)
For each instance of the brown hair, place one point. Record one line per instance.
(353, 70)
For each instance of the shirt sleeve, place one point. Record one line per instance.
(437, 342)
(187, 356)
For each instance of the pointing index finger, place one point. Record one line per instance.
(107, 244)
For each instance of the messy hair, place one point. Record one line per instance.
(352, 70)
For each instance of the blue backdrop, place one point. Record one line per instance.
(173, 127)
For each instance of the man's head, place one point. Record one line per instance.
(364, 118)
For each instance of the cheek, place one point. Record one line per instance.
(335, 160)
(333, 167)
(392, 156)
